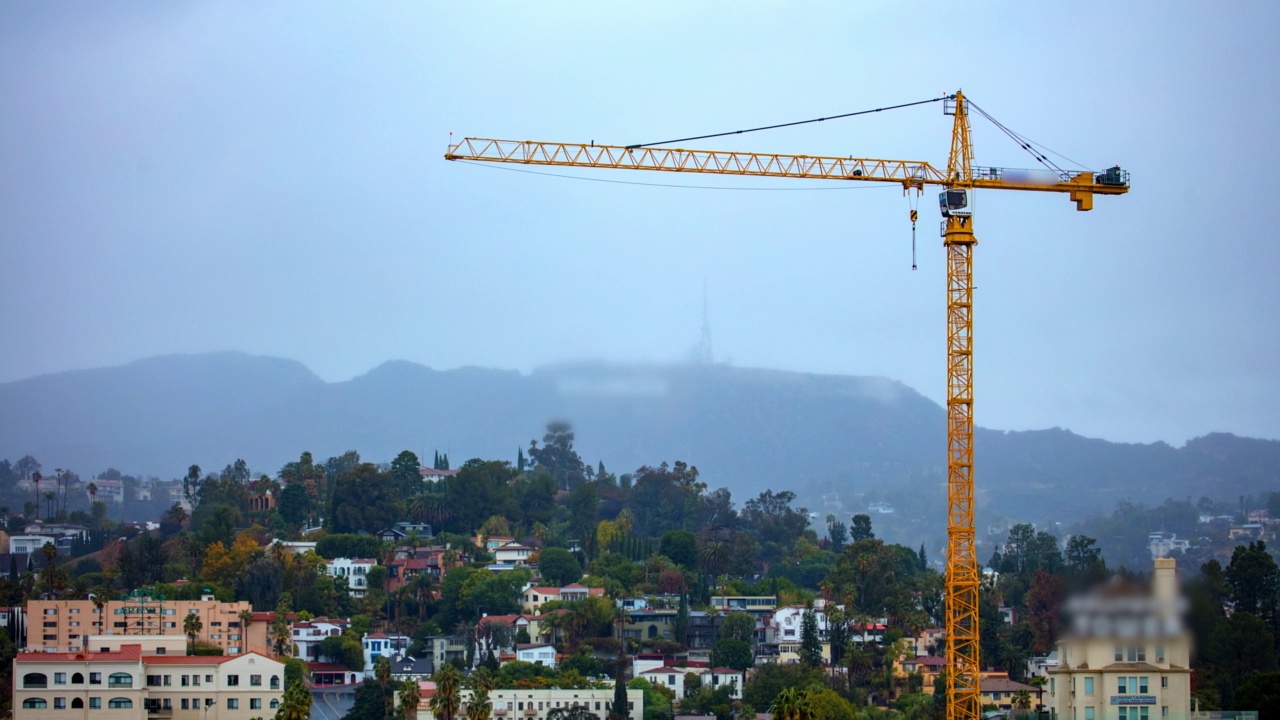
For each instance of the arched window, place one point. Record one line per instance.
(35, 680)
(120, 680)
(274, 703)
(34, 703)
(77, 704)
(275, 682)
(653, 631)
(77, 679)
(119, 703)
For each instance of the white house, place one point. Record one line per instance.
(513, 553)
(538, 703)
(673, 677)
(537, 653)
(378, 645)
(532, 597)
(307, 635)
(787, 623)
(354, 570)
(29, 544)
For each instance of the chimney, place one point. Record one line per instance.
(1164, 585)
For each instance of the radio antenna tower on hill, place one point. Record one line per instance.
(704, 355)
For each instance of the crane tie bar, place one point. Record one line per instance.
(798, 122)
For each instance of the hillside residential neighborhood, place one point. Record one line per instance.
(548, 587)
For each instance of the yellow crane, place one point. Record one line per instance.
(955, 201)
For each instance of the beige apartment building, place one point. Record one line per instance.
(1126, 655)
(64, 625)
(131, 682)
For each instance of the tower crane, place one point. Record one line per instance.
(958, 183)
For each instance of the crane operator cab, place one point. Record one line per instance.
(1112, 176)
(955, 203)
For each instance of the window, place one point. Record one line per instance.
(255, 680)
(120, 680)
(34, 703)
(1142, 685)
(162, 651)
(153, 680)
(274, 703)
(208, 679)
(119, 702)
(1088, 712)
(233, 703)
(275, 682)
(184, 705)
(59, 703)
(1159, 653)
(1164, 681)
(186, 680)
(59, 678)
(77, 704)
(168, 680)
(1088, 686)
(1122, 685)
(51, 611)
(233, 680)
(95, 678)
(77, 679)
(1119, 653)
(35, 680)
(255, 703)
(195, 681)
(95, 703)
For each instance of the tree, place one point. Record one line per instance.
(681, 547)
(1255, 581)
(191, 627)
(618, 709)
(837, 533)
(810, 643)
(732, 653)
(1260, 692)
(405, 471)
(557, 455)
(279, 633)
(861, 528)
(296, 703)
(479, 707)
(559, 566)
(738, 625)
(793, 704)
(447, 698)
(410, 699)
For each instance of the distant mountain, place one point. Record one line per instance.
(852, 439)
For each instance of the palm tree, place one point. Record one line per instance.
(191, 627)
(246, 619)
(296, 704)
(444, 703)
(382, 673)
(792, 704)
(1022, 700)
(479, 707)
(36, 477)
(49, 498)
(410, 699)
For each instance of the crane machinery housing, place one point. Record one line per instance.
(958, 182)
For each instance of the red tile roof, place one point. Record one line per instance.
(127, 653)
(188, 659)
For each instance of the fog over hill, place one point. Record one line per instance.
(862, 438)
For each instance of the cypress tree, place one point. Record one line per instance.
(618, 711)
(810, 645)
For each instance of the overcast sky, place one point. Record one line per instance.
(268, 177)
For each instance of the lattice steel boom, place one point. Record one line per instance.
(963, 575)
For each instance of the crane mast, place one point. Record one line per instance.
(963, 667)
(957, 182)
